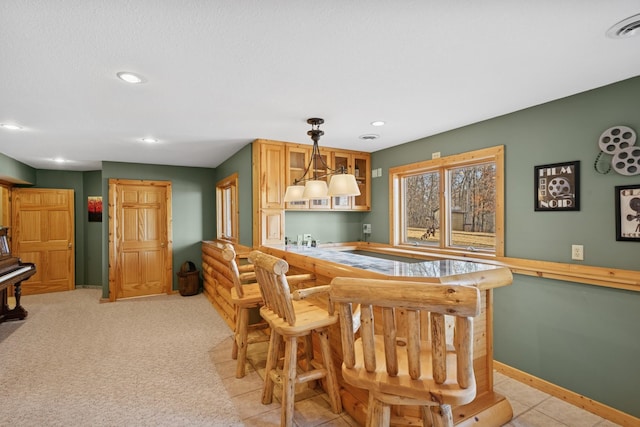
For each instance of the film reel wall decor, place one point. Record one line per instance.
(619, 142)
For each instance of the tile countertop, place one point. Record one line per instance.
(391, 267)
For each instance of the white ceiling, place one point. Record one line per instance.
(222, 73)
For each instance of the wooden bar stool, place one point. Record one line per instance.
(402, 356)
(246, 296)
(289, 319)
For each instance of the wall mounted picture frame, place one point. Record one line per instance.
(628, 213)
(557, 187)
(94, 208)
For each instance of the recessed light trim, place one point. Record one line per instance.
(149, 140)
(626, 28)
(129, 77)
(377, 123)
(59, 160)
(10, 126)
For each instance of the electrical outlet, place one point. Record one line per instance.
(577, 252)
(435, 155)
(366, 228)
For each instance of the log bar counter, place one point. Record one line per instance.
(488, 408)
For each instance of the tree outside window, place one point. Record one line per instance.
(450, 203)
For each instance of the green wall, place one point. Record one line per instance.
(240, 163)
(578, 336)
(327, 227)
(193, 208)
(13, 171)
(92, 183)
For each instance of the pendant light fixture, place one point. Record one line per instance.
(314, 186)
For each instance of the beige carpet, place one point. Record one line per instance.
(139, 362)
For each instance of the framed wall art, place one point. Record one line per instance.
(628, 213)
(557, 187)
(94, 208)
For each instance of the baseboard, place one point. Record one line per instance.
(597, 408)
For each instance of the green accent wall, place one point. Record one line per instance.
(13, 171)
(578, 336)
(92, 184)
(327, 227)
(240, 163)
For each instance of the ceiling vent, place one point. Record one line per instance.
(369, 136)
(626, 28)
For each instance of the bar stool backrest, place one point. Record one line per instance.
(276, 293)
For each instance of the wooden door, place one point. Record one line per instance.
(140, 249)
(43, 233)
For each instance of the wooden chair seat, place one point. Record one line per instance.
(379, 381)
(251, 296)
(308, 317)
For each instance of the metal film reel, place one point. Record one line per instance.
(616, 138)
(559, 187)
(627, 161)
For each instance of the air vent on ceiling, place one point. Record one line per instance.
(369, 136)
(626, 28)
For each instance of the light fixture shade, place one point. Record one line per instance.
(343, 185)
(294, 193)
(315, 189)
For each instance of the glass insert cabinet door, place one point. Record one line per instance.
(297, 161)
(362, 172)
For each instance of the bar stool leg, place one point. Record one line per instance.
(289, 382)
(327, 361)
(234, 349)
(242, 335)
(272, 361)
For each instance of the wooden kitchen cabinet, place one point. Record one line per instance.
(358, 164)
(272, 182)
(277, 165)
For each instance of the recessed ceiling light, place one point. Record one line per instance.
(130, 77)
(149, 140)
(10, 126)
(59, 160)
(369, 136)
(377, 123)
(625, 28)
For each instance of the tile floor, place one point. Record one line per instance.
(531, 407)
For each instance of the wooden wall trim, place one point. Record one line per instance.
(586, 274)
(569, 396)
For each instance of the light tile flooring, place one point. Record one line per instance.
(531, 407)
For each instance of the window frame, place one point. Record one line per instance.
(443, 165)
(229, 183)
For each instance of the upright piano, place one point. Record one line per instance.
(12, 272)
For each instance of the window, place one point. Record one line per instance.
(227, 208)
(452, 203)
